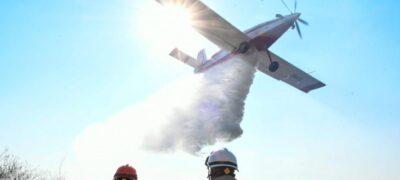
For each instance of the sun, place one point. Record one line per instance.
(163, 28)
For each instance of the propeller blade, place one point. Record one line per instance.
(298, 29)
(302, 21)
(295, 5)
(287, 7)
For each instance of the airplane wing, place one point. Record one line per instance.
(211, 25)
(288, 73)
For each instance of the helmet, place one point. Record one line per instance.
(221, 158)
(125, 172)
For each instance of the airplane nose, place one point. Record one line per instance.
(296, 15)
(293, 17)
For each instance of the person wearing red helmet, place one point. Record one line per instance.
(125, 173)
(221, 165)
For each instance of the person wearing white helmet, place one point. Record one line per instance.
(221, 165)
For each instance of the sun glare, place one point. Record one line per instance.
(165, 27)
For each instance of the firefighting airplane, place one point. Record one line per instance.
(251, 45)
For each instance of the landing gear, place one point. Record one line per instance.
(273, 66)
(243, 47)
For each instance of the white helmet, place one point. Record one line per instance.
(222, 157)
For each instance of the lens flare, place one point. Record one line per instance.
(164, 27)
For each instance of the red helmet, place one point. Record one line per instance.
(125, 173)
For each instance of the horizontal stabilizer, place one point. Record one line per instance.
(288, 73)
(181, 56)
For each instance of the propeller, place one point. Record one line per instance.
(296, 24)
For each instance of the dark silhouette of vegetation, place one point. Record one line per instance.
(12, 168)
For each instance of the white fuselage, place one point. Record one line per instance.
(262, 37)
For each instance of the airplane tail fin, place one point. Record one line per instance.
(185, 58)
(201, 56)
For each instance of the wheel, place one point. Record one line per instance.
(273, 66)
(244, 47)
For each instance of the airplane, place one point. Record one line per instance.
(251, 45)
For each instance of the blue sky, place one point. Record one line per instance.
(65, 65)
